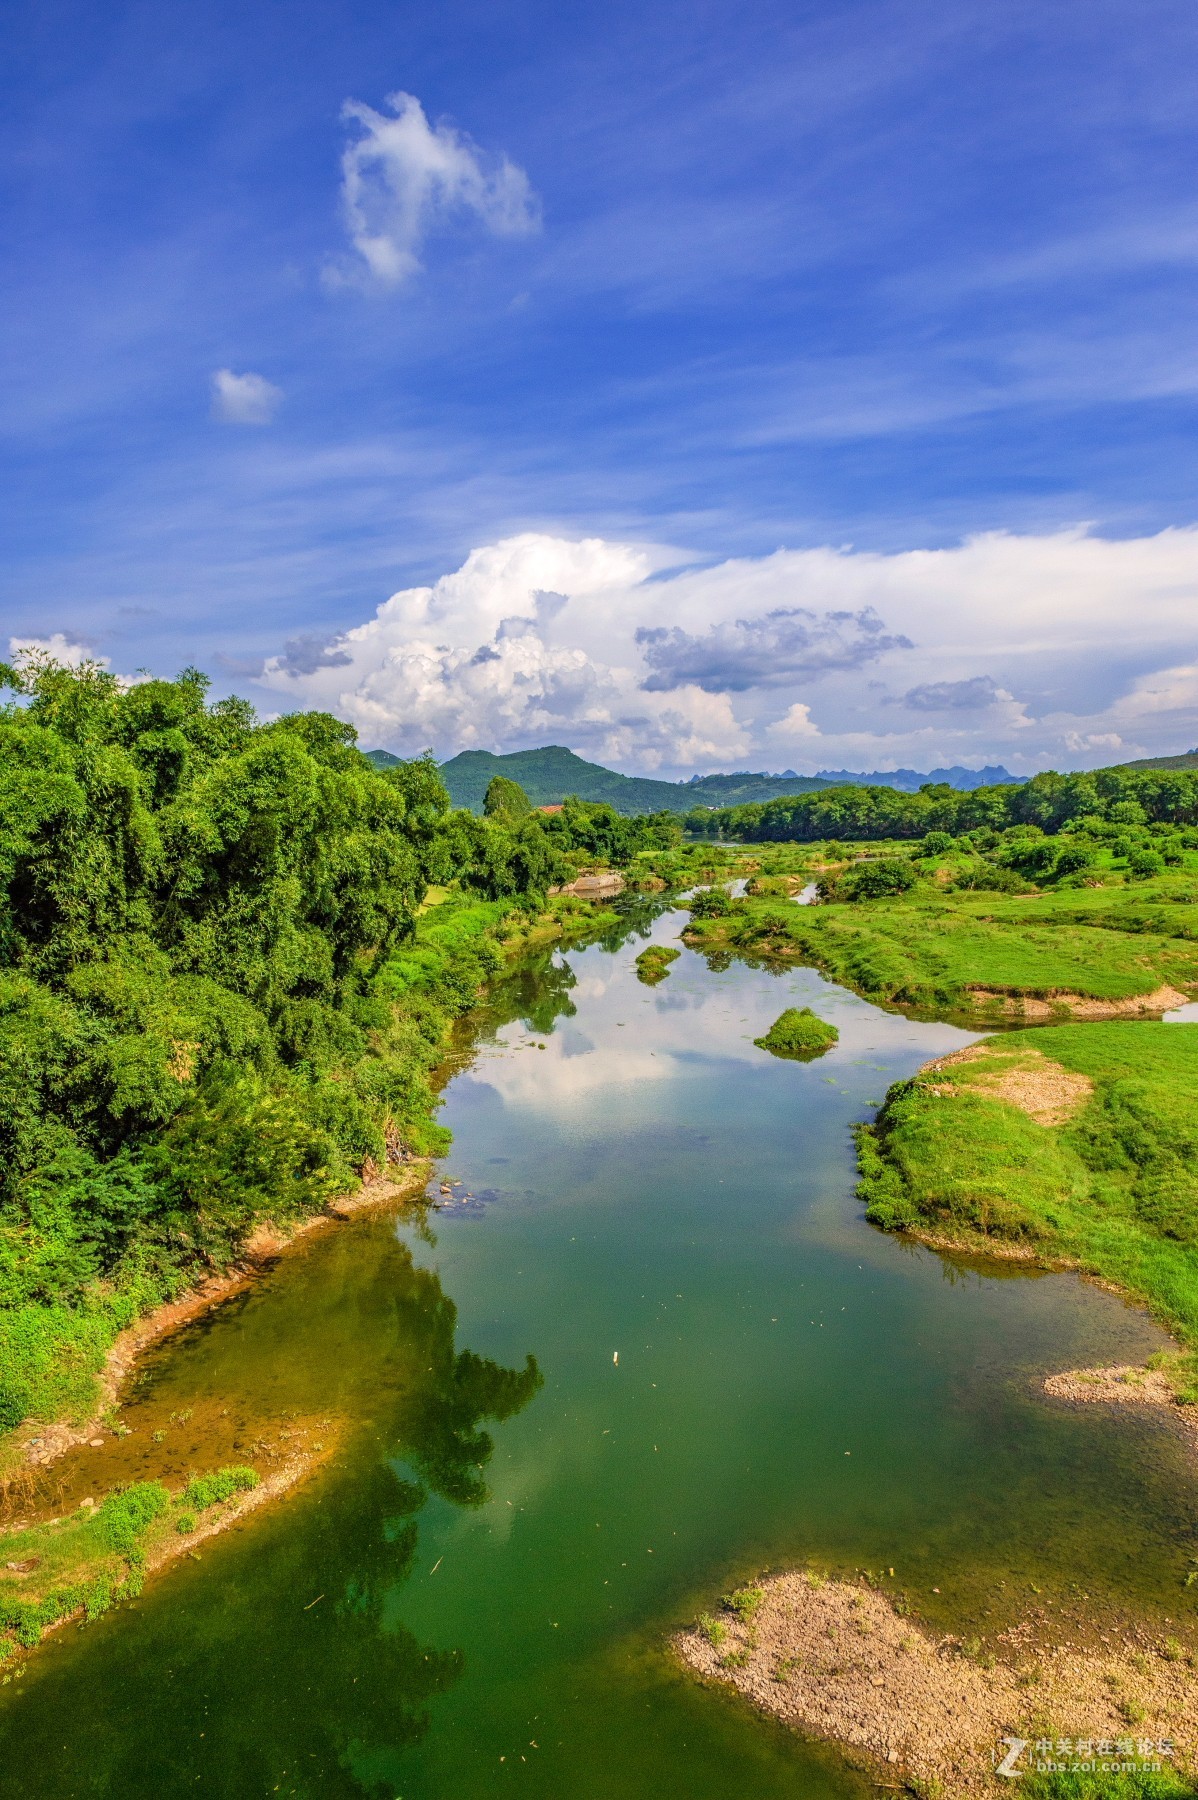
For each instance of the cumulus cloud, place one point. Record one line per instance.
(58, 647)
(631, 657)
(770, 651)
(401, 178)
(247, 399)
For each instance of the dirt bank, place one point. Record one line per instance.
(835, 1660)
(1077, 1006)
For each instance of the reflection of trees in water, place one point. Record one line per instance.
(537, 990)
(288, 1671)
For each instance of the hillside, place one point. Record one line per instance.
(548, 774)
(1188, 761)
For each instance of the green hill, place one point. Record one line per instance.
(1188, 761)
(547, 775)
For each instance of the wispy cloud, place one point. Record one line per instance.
(404, 178)
(247, 399)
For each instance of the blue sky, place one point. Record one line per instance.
(683, 284)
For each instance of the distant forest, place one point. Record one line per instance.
(551, 773)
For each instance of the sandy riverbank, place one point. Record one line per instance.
(835, 1660)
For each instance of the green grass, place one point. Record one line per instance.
(96, 1557)
(1114, 1189)
(653, 964)
(799, 1033)
(929, 948)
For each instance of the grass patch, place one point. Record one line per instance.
(798, 1033)
(653, 964)
(1113, 1189)
(97, 1556)
(930, 947)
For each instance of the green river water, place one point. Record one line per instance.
(475, 1596)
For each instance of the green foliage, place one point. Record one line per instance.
(878, 878)
(746, 1603)
(710, 903)
(1141, 1784)
(505, 800)
(210, 1490)
(653, 964)
(205, 1017)
(798, 1033)
(1113, 1188)
(1127, 796)
(126, 1514)
(931, 948)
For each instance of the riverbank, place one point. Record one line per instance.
(71, 1362)
(840, 1661)
(73, 1569)
(37, 1446)
(1073, 1146)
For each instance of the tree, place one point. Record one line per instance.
(505, 800)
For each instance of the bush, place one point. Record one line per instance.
(988, 878)
(712, 903)
(936, 843)
(1145, 863)
(871, 881)
(125, 1514)
(1073, 859)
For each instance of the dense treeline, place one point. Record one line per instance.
(1126, 797)
(211, 1007)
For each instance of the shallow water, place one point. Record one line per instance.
(475, 1596)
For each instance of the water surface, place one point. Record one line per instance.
(729, 1372)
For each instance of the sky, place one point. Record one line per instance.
(701, 386)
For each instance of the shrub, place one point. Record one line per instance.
(221, 1484)
(125, 1514)
(1144, 863)
(874, 880)
(712, 903)
(1073, 858)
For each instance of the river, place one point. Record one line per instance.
(731, 1372)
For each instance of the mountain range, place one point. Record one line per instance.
(547, 775)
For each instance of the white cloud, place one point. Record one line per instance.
(244, 399)
(1032, 650)
(402, 177)
(796, 722)
(57, 646)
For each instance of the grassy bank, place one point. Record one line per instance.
(1002, 1147)
(966, 952)
(91, 1561)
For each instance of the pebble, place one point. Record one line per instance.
(95, 1443)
